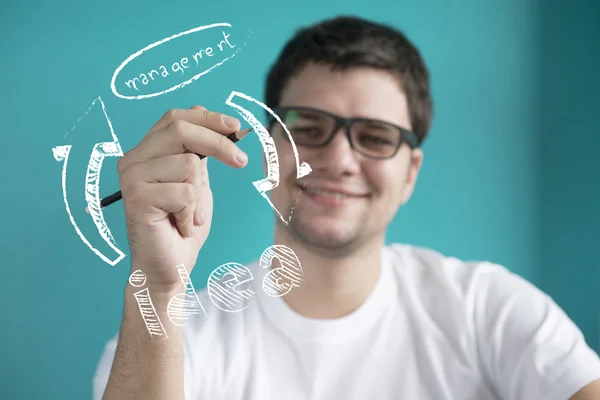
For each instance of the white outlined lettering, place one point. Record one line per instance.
(224, 287)
(138, 82)
(183, 306)
(280, 281)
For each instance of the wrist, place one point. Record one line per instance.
(151, 304)
(160, 293)
(146, 277)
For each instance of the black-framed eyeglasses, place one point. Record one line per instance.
(312, 127)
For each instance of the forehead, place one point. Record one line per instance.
(356, 92)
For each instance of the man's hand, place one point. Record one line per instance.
(166, 193)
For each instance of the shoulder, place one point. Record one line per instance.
(488, 294)
(527, 345)
(484, 299)
(464, 278)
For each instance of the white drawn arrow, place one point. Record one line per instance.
(92, 179)
(268, 145)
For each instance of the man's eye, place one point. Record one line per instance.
(374, 140)
(307, 131)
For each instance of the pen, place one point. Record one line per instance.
(113, 198)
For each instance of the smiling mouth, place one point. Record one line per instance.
(330, 194)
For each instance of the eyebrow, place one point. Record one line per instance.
(308, 115)
(377, 124)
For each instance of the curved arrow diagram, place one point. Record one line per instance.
(268, 145)
(99, 152)
(113, 149)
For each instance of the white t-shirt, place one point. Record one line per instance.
(434, 327)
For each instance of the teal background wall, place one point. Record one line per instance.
(570, 147)
(510, 172)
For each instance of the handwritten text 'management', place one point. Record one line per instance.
(178, 66)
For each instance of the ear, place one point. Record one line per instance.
(415, 163)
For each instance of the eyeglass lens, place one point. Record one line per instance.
(312, 128)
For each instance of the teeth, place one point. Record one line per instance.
(324, 193)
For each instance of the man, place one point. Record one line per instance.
(368, 320)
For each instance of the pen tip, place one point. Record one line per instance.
(244, 133)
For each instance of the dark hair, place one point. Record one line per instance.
(347, 41)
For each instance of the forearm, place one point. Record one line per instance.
(146, 366)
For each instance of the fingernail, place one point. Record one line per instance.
(241, 157)
(230, 121)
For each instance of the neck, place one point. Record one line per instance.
(333, 285)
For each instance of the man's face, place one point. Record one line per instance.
(373, 189)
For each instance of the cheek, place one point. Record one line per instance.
(288, 162)
(389, 183)
(285, 166)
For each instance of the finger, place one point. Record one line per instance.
(181, 136)
(201, 212)
(178, 199)
(199, 115)
(167, 118)
(184, 219)
(204, 207)
(185, 167)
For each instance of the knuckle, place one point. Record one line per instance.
(177, 130)
(178, 125)
(125, 178)
(121, 164)
(206, 115)
(189, 193)
(133, 192)
(190, 159)
(170, 115)
(192, 162)
(126, 160)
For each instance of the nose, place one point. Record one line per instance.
(337, 157)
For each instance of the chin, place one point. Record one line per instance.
(327, 233)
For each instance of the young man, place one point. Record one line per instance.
(368, 320)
